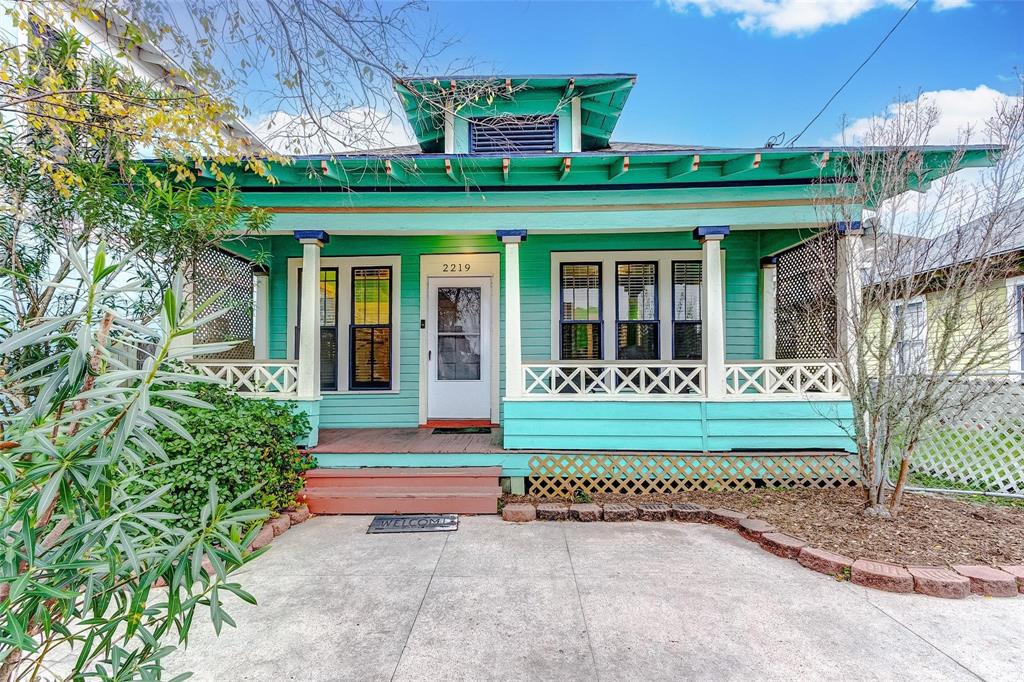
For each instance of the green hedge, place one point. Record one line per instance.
(240, 443)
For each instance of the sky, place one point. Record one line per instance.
(736, 72)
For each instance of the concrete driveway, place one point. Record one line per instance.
(572, 601)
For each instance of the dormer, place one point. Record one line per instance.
(493, 115)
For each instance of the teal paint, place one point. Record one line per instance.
(511, 463)
(678, 426)
(312, 410)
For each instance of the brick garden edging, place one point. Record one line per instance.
(953, 582)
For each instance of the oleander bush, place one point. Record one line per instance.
(238, 444)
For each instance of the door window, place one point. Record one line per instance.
(458, 333)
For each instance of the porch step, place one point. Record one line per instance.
(405, 490)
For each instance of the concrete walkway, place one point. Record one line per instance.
(571, 601)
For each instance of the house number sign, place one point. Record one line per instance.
(456, 267)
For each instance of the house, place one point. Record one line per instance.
(620, 316)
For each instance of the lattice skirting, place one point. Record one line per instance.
(563, 475)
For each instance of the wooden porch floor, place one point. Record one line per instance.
(406, 441)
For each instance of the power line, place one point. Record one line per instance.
(854, 74)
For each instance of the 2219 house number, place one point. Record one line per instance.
(455, 267)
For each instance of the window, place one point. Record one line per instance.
(687, 340)
(370, 329)
(580, 317)
(328, 302)
(636, 311)
(513, 134)
(911, 331)
(1019, 308)
(458, 333)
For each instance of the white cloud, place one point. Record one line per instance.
(798, 17)
(356, 129)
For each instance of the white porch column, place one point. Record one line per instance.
(849, 258)
(260, 312)
(577, 124)
(713, 308)
(185, 307)
(769, 281)
(513, 317)
(309, 324)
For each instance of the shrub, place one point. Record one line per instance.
(241, 443)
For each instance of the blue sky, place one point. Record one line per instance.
(709, 80)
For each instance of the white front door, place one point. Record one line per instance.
(459, 348)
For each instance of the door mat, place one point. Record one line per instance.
(446, 430)
(413, 523)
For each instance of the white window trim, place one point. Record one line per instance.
(608, 259)
(345, 265)
(1016, 353)
(923, 300)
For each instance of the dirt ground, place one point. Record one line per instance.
(930, 529)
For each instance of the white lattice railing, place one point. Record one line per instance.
(619, 379)
(276, 378)
(784, 378)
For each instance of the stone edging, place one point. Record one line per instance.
(955, 582)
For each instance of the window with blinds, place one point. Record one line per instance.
(636, 306)
(513, 134)
(370, 331)
(687, 339)
(580, 324)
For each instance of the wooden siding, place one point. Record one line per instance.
(394, 409)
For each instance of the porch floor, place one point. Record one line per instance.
(406, 441)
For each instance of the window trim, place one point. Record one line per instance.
(352, 327)
(600, 307)
(345, 265)
(699, 321)
(664, 258)
(656, 320)
(897, 347)
(1015, 331)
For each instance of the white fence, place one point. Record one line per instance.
(612, 379)
(264, 378)
(980, 448)
(784, 378)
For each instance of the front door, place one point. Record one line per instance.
(459, 348)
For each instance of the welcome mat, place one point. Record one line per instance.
(413, 523)
(446, 430)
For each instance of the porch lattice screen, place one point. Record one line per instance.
(213, 271)
(805, 301)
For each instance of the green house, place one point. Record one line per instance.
(519, 295)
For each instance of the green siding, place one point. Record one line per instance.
(678, 426)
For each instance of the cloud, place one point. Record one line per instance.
(796, 17)
(959, 112)
(355, 129)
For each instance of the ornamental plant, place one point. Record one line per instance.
(86, 537)
(240, 443)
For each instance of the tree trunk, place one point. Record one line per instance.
(901, 482)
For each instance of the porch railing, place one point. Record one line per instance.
(273, 378)
(817, 378)
(612, 379)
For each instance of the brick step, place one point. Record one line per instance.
(403, 490)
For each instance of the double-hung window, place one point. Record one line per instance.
(910, 322)
(580, 313)
(370, 329)
(636, 308)
(687, 333)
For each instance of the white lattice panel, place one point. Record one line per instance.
(983, 448)
(611, 379)
(272, 377)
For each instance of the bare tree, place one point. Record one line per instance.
(921, 305)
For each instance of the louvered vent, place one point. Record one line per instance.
(514, 134)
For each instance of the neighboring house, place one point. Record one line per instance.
(600, 302)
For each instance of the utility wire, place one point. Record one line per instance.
(854, 74)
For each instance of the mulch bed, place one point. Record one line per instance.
(930, 530)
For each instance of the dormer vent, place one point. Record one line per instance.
(505, 134)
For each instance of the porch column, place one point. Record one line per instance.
(513, 318)
(185, 307)
(713, 305)
(769, 281)
(260, 310)
(309, 326)
(849, 257)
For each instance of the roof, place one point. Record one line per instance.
(602, 97)
(978, 238)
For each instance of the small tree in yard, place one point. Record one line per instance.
(86, 538)
(939, 256)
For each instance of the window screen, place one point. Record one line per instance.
(580, 325)
(636, 294)
(687, 340)
(514, 134)
(370, 331)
